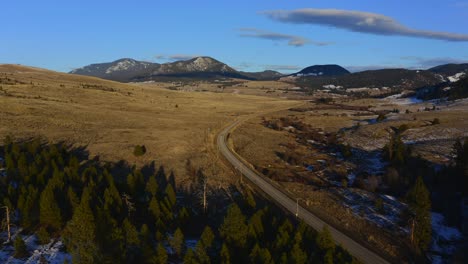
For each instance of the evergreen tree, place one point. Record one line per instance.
(420, 204)
(80, 233)
(200, 252)
(177, 242)
(28, 206)
(73, 199)
(324, 240)
(190, 257)
(256, 229)
(152, 187)
(50, 213)
(298, 255)
(183, 216)
(161, 255)
(154, 208)
(132, 240)
(207, 237)
(20, 248)
(43, 236)
(326, 245)
(225, 255)
(171, 195)
(234, 229)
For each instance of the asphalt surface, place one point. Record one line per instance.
(360, 252)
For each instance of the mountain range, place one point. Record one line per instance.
(130, 70)
(315, 77)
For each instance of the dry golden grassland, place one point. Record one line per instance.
(110, 118)
(273, 89)
(433, 142)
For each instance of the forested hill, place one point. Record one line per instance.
(114, 213)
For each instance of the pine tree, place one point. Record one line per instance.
(420, 204)
(177, 242)
(146, 244)
(200, 252)
(132, 241)
(73, 199)
(234, 229)
(161, 255)
(28, 206)
(207, 237)
(324, 240)
(256, 229)
(171, 195)
(183, 216)
(154, 208)
(80, 233)
(152, 186)
(326, 245)
(190, 257)
(225, 255)
(50, 213)
(20, 248)
(43, 236)
(298, 255)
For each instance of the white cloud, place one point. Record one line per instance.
(358, 21)
(292, 40)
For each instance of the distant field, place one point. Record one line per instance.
(110, 118)
(310, 169)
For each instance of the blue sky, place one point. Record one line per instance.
(248, 35)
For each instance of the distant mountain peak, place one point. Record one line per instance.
(322, 70)
(127, 69)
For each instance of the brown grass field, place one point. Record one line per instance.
(110, 118)
(432, 142)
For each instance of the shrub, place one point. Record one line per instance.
(346, 150)
(43, 236)
(139, 150)
(20, 248)
(403, 128)
(344, 183)
(379, 206)
(436, 121)
(380, 118)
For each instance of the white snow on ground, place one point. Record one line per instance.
(445, 239)
(407, 101)
(121, 66)
(52, 252)
(191, 243)
(332, 86)
(456, 77)
(362, 204)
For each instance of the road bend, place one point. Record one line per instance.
(357, 250)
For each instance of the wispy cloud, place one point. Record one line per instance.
(358, 21)
(175, 57)
(292, 40)
(424, 63)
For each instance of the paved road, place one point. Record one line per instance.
(358, 251)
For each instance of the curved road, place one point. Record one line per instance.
(357, 250)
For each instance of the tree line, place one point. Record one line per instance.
(106, 217)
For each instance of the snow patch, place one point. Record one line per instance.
(456, 77)
(445, 239)
(121, 66)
